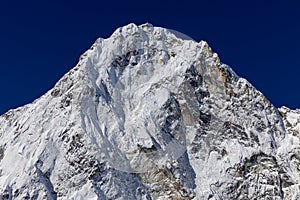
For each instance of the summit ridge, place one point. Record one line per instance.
(150, 114)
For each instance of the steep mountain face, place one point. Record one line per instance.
(147, 114)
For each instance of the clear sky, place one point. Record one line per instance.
(41, 40)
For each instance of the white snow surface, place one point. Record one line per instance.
(147, 115)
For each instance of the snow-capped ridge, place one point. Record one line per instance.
(150, 114)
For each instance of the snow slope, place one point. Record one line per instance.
(147, 115)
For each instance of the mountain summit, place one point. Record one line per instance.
(150, 114)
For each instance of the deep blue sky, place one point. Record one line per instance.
(43, 39)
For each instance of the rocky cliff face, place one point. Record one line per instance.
(148, 115)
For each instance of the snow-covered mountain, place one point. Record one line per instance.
(150, 114)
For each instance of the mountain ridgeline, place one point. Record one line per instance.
(150, 114)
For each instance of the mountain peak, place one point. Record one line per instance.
(149, 113)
